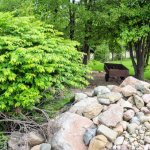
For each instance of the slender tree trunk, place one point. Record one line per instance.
(88, 30)
(86, 51)
(132, 56)
(147, 53)
(72, 20)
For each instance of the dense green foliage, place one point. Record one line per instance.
(102, 52)
(123, 24)
(3, 142)
(35, 60)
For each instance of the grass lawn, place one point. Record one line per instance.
(98, 66)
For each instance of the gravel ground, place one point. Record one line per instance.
(98, 79)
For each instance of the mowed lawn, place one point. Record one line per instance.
(98, 66)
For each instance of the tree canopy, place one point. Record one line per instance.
(124, 24)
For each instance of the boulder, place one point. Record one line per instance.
(112, 96)
(71, 130)
(119, 140)
(146, 98)
(125, 104)
(131, 100)
(116, 89)
(92, 111)
(139, 114)
(17, 142)
(132, 127)
(148, 105)
(136, 110)
(109, 146)
(124, 124)
(109, 133)
(89, 134)
(147, 139)
(145, 110)
(80, 107)
(112, 115)
(45, 146)
(111, 86)
(142, 89)
(133, 82)
(119, 129)
(104, 101)
(98, 143)
(147, 125)
(129, 114)
(144, 119)
(96, 120)
(136, 120)
(128, 90)
(124, 147)
(80, 96)
(100, 90)
(37, 147)
(138, 101)
(139, 93)
(33, 138)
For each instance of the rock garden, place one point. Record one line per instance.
(110, 118)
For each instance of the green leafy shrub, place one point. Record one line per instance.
(35, 58)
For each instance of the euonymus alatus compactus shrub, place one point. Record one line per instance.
(33, 58)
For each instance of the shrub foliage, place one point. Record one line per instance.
(33, 58)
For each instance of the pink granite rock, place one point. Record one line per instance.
(128, 90)
(69, 135)
(146, 98)
(128, 114)
(112, 115)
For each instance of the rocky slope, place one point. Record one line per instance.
(111, 118)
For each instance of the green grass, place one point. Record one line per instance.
(98, 66)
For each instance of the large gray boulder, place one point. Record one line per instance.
(134, 82)
(69, 135)
(81, 106)
(112, 96)
(138, 101)
(89, 134)
(80, 97)
(101, 90)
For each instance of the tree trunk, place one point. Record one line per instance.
(72, 21)
(88, 30)
(139, 63)
(86, 51)
(147, 53)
